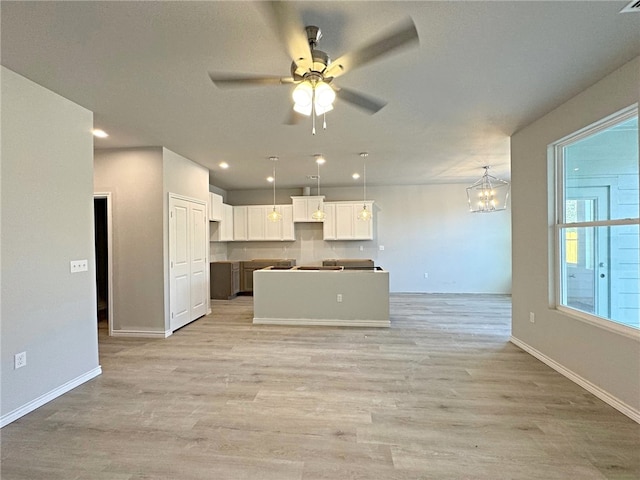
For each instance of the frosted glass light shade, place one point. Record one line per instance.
(324, 97)
(303, 97)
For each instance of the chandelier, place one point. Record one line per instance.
(488, 194)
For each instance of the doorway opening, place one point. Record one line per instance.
(103, 251)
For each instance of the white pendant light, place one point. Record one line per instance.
(319, 213)
(274, 215)
(489, 194)
(365, 214)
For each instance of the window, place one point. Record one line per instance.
(597, 227)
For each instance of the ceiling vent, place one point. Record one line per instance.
(313, 177)
(633, 6)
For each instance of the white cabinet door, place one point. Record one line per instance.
(272, 230)
(341, 221)
(303, 207)
(344, 221)
(240, 223)
(329, 226)
(257, 227)
(288, 230)
(226, 233)
(362, 229)
(256, 220)
(215, 207)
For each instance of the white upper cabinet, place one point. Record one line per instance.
(257, 227)
(341, 221)
(304, 206)
(240, 223)
(215, 207)
(222, 231)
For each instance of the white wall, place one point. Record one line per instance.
(606, 362)
(423, 229)
(47, 221)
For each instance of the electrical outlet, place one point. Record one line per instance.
(381, 248)
(78, 266)
(361, 248)
(426, 275)
(20, 360)
(532, 317)
(339, 298)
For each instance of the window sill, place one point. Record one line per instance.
(609, 325)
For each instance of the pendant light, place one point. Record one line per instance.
(489, 194)
(364, 214)
(319, 213)
(273, 215)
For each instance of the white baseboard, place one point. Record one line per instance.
(603, 395)
(321, 322)
(141, 333)
(47, 397)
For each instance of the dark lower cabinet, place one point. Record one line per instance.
(248, 267)
(224, 280)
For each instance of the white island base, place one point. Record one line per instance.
(353, 298)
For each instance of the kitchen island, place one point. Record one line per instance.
(321, 296)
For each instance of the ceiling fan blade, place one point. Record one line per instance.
(365, 102)
(228, 80)
(292, 33)
(402, 36)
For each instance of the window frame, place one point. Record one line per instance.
(559, 224)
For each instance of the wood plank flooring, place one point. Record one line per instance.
(441, 394)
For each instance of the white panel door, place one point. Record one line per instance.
(179, 263)
(198, 258)
(187, 261)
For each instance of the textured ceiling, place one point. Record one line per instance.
(482, 70)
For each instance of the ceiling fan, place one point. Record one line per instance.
(312, 69)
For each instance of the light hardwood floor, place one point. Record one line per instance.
(441, 394)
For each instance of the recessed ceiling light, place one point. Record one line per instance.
(223, 165)
(270, 179)
(355, 176)
(99, 133)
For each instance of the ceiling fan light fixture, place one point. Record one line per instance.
(324, 97)
(303, 98)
